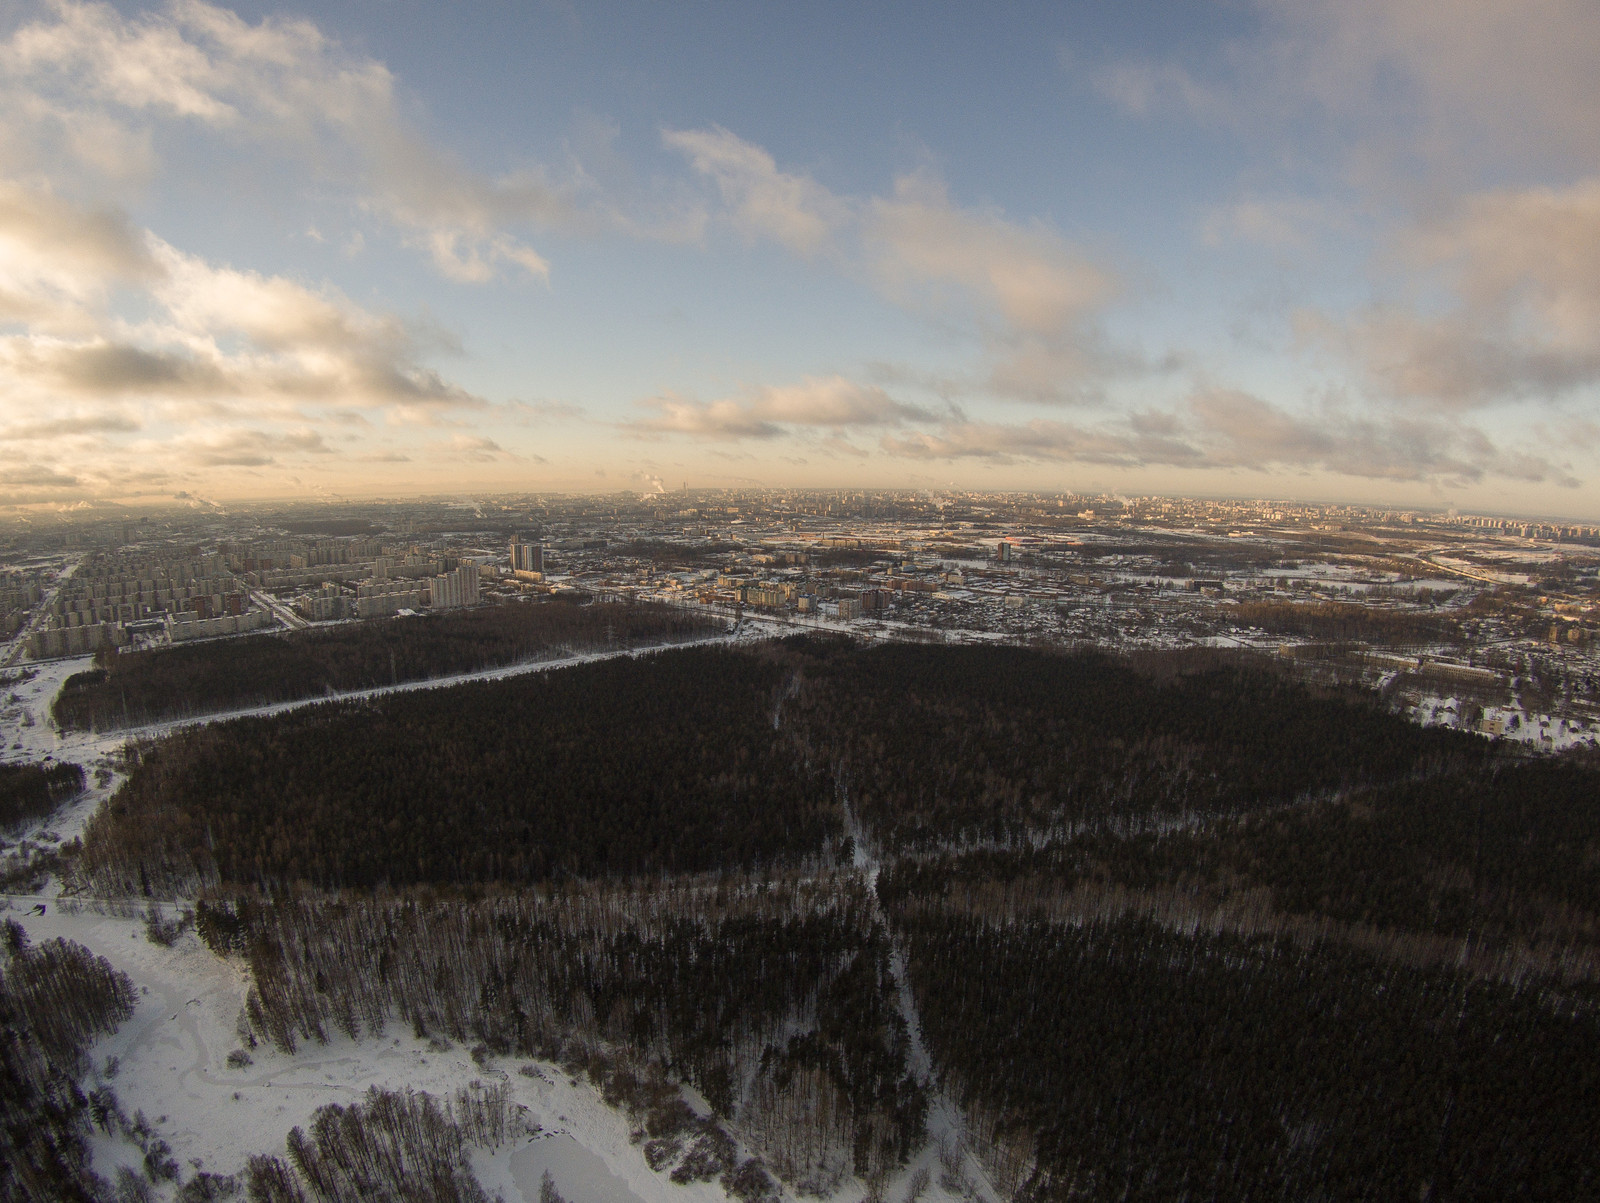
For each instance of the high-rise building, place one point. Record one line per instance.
(451, 590)
(526, 557)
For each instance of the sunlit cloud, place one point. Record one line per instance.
(1520, 274)
(772, 411)
(1229, 430)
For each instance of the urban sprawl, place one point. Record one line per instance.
(1487, 623)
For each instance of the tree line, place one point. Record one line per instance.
(389, 1145)
(136, 688)
(1345, 622)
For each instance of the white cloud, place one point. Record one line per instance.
(58, 261)
(223, 368)
(1029, 275)
(762, 201)
(1514, 310)
(84, 78)
(247, 448)
(1229, 429)
(771, 411)
(1398, 82)
(1030, 297)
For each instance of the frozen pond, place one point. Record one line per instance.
(580, 1176)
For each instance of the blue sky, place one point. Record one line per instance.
(1331, 249)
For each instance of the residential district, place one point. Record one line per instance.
(1476, 621)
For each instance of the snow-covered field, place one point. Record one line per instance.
(171, 1064)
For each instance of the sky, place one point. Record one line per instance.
(1331, 250)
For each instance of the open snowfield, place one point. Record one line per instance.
(171, 1064)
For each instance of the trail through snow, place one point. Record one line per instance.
(947, 1129)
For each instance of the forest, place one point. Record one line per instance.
(29, 792)
(1500, 857)
(1170, 928)
(136, 688)
(665, 764)
(1346, 622)
(772, 995)
(1124, 1060)
(942, 746)
(705, 758)
(55, 999)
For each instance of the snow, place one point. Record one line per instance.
(172, 1065)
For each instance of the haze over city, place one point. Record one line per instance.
(1339, 251)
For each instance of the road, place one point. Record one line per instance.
(87, 746)
(278, 610)
(36, 618)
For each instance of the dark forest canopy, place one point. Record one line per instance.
(32, 791)
(1503, 856)
(1127, 1061)
(936, 745)
(1173, 929)
(150, 686)
(663, 764)
(706, 758)
(1344, 622)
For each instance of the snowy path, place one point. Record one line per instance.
(947, 1129)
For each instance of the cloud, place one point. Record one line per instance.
(84, 76)
(534, 413)
(771, 411)
(1395, 82)
(65, 427)
(1242, 430)
(478, 449)
(212, 348)
(1519, 275)
(1119, 444)
(1227, 429)
(218, 333)
(762, 201)
(1281, 223)
(1028, 295)
(38, 477)
(58, 260)
(248, 448)
(1028, 274)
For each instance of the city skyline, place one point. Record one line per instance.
(1336, 252)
